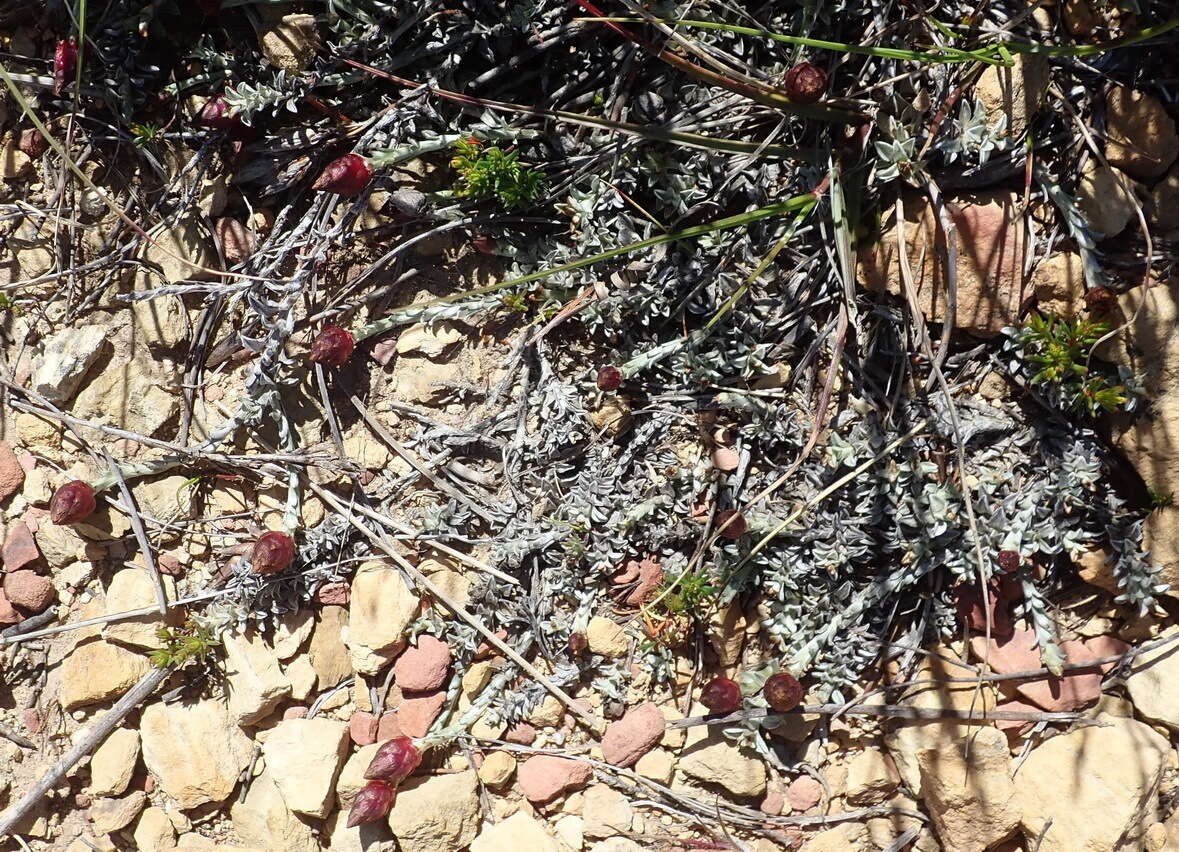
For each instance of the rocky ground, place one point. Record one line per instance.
(967, 738)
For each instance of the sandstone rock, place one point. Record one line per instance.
(521, 733)
(1014, 93)
(28, 590)
(362, 727)
(351, 778)
(968, 791)
(1151, 683)
(989, 227)
(60, 546)
(543, 777)
(871, 778)
(8, 613)
(710, 757)
(606, 811)
(1140, 136)
(304, 756)
(849, 837)
(327, 652)
(804, 793)
(154, 832)
(519, 832)
(64, 361)
(657, 764)
(109, 815)
(131, 395)
(632, 736)
(163, 323)
(381, 609)
(569, 831)
(1020, 653)
(263, 820)
(417, 712)
(606, 637)
(612, 417)
(177, 251)
(497, 769)
(1098, 785)
(429, 341)
(194, 750)
(20, 548)
(616, 844)
(113, 762)
(133, 588)
(97, 671)
(436, 814)
(12, 474)
(292, 631)
(1106, 198)
(424, 665)
(15, 164)
(291, 45)
(170, 498)
(255, 681)
(726, 635)
(371, 837)
(366, 451)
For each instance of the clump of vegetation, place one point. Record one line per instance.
(1062, 349)
(490, 172)
(189, 643)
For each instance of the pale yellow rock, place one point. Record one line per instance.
(606, 637)
(548, 713)
(301, 674)
(569, 832)
(1013, 92)
(871, 777)
(497, 769)
(255, 681)
(292, 630)
(132, 395)
(1106, 197)
(133, 588)
(436, 813)
(113, 763)
(476, 677)
(726, 634)
(98, 671)
(849, 837)
(351, 778)
(605, 811)
(327, 652)
(380, 610)
(263, 820)
(519, 832)
(968, 791)
(1141, 139)
(371, 837)
(431, 341)
(154, 832)
(657, 764)
(1151, 683)
(366, 450)
(304, 756)
(709, 757)
(109, 815)
(1098, 786)
(612, 417)
(292, 43)
(171, 498)
(33, 431)
(194, 750)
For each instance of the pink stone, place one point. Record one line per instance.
(214, 393)
(485, 650)
(773, 803)
(1105, 646)
(8, 614)
(362, 727)
(169, 565)
(418, 712)
(424, 665)
(31, 718)
(632, 736)
(333, 594)
(19, 547)
(1076, 689)
(27, 461)
(1018, 653)
(384, 350)
(298, 711)
(545, 776)
(521, 733)
(725, 458)
(388, 727)
(1014, 724)
(28, 590)
(804, 793)
(12, 475)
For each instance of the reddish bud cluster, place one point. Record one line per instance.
(346, 175)
(216, 114)
(721, 695)
(394, 761)
(373, 802)
(1009, 560)
(805, 83)
(1100, 300)
(71, 503)
(578, 644)
(65, 62)
(332, 347)
(731, 524)
(609, 378)
(782, 692)
(273, 552)
(32, 142)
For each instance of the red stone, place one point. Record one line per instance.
(417, 712)
(545, 776)
(8, 613)
(804, 793)
(521, 733)
(388, 727)
(12, 475)
(28, 590)
(19, 547)
(362, 727)
(31, 718)
(333, 594)
(636, 733)
(424, 665)
(298, 711)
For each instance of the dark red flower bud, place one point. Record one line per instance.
(578, 644)
(721, 695)
(394, 761)
(32, 142)
(731, 524)
(346, 175)
(1009, 560)
(373, 802)
(609, 378)
(65, 62)
(217, 114)
(273, 552)
(805, 83)
(332, 347)
(783, 692)
(71, 503)
(483, 244)
(1100, 300)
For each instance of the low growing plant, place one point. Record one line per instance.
(1062, 349)
(491, 172)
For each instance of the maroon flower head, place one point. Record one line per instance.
(217, 114)
(721, 695)
(1009, 560)
(609, 378)
(805, 83)
(273, 552)
(346, 175)
(783, 692)
(373, 802)
(394, 761)
(484, 243)
(32, 142)
(71, 503)
(1100, 300)
(578, 644)
(65, 62)
(731, 524)
(332, 347)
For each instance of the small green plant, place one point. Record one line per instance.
(494, 173)
(6, 304)
(183, 645)
(691, 595)
(1160, 499)
(143, 135)
(1061, 349)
